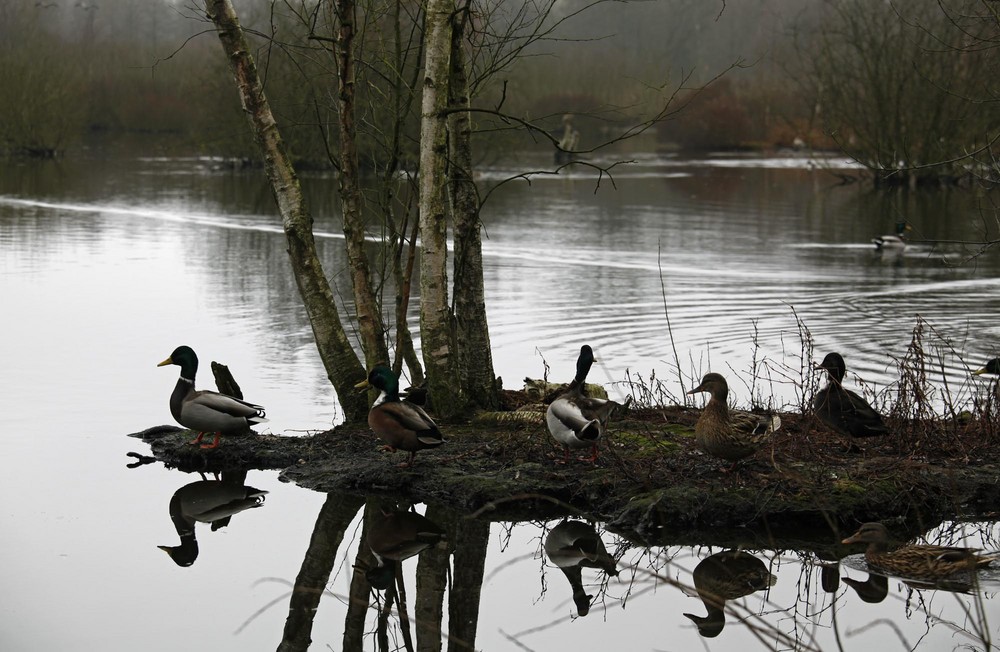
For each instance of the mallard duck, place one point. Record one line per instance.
(991, 368)
(726, 575)
(206, 501)
(400, 424)
(921, 562)
(572, 546)
(872, 590)
(841, 409)
(894, 241)
(395, 536)
(206, 411)
(576, 420)
(729, 434)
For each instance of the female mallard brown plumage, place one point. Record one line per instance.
(400, 424)
(206, 411)
(729, 434)
(576, 420)
(841, 409)
(915, 561)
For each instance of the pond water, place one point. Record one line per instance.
(110, 263)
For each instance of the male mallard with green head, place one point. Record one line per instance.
(206, 411)
(991, 368)
(400, 424)
(576, 420)
(729, 434)
(841, 409)
(916, 561)
(894, 241)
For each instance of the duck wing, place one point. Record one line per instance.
(412, 417)
(221, 403)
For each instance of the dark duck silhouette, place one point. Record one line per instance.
(206, 501)
(841, 409)
(395, 536)
(573, 546)
(726, 576)
(206, 411)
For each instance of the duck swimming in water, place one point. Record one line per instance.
(894, 241)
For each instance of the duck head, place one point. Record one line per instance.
(992, 367)
(834, 365)
(381, 378)
(185, 358)
(715, 384)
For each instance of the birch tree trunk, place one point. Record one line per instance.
(369, 314)
(436, 331)
(342, 364)
(475, 365)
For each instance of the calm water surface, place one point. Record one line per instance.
(108, 265)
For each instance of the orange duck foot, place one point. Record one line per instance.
(214, 444)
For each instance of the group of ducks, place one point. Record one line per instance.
(578, 421)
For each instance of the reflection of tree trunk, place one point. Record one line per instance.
(357, 604)
(369, 314)
(473, 334)
(470, 543)
(435, 313)
(432, 576)
(334, 517)
(341, 362)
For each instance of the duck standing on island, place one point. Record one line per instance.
(841, 409)
(576, 420)
(400, 424)
(206, 411)
(729, 434)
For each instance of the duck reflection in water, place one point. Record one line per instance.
(573, 546)
(726, 576)
(208, 501)
(872, 590)
(395, 536)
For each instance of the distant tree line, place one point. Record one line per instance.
(898, 85)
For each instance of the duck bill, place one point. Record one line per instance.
(166, 362)
(850, 539)
(979, 372)
(699, 388)
(362, 385)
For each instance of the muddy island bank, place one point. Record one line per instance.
(651, 483)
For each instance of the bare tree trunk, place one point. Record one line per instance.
(342, 364)
(369, 314)
(336, 514)
(472, 330)
(436, 330)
